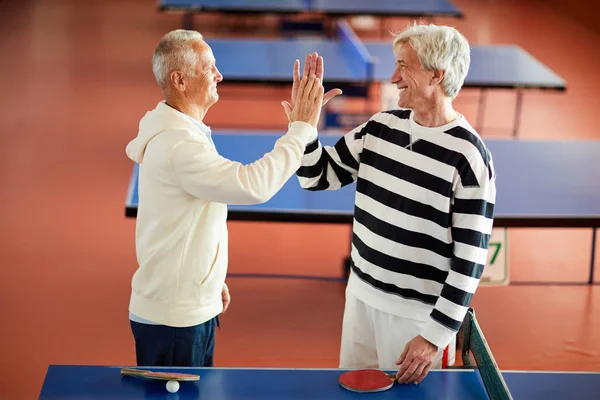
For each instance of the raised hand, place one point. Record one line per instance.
(308, 102)
(313, 64)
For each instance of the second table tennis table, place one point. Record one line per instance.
(328, 8)
(404, 8)
(539, 184)
(352, 64)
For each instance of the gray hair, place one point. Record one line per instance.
(441, 48)
(175, 52)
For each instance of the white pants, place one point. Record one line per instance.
(375, 339)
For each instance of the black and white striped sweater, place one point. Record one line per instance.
(423, 214)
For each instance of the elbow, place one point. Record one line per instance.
(260, 198)
(310, 183)
(257, 197)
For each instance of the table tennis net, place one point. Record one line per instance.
(355, 49)
(474, 342)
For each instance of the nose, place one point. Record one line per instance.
(218, 77)
(396, 77)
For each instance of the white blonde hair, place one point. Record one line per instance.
(440, 48)
(175, 52)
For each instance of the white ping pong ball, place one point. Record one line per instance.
(172, 386)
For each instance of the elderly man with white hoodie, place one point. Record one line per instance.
(184, 187)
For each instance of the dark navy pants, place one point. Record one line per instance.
(165, 346)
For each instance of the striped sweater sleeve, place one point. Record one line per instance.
(332, 167)
(472, 221)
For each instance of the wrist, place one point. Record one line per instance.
(430, 344)
(437, 334)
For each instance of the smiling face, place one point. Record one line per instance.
(415, 84)
(202, 88)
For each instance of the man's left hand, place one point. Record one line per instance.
(225, 297)
(416, 360)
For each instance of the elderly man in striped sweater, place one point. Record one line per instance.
(424, 208)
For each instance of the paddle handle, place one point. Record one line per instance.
(134, 372)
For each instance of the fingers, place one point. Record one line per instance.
(419, 378)
(310, 85)
(319, 67)
(226, 300)
(404, 361)
(302, 87)
(296, 79)
(413, 368)
(287, 108)
(417, 373)
(402, 356)
(311, 65)
(320, 93)
(331, 94)
(308, 105)
(296, 70)
(407, 370)
(306, 71)
(316, 93)
(315, 88)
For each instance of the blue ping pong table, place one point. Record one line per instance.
(354, 65)
(271, 61)
(104, 382)
(406, 8)
(539, 184)
(316, 8)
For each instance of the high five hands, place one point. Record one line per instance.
(313, 65)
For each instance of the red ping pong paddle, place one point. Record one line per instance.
(367, 380)
(163, 376)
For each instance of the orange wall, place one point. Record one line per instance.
(584, 11)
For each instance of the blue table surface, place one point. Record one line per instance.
(273, 59)
(238, 5)
(102, 382)
(535, 179)
(387, 7)
(342, 7)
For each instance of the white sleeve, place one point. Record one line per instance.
(203, 173)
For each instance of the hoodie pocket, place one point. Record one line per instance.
(204, 278)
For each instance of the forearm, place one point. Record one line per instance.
(331, 167)
(454, 301)
(471, 230)
(207, 175)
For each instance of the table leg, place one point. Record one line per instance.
(518, 109)
(591, 280)
(188, 21)
(347, 260)
(481, 110)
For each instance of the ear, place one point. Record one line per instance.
(436, 78)
(177, 81)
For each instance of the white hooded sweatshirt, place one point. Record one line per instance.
(181, 233)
